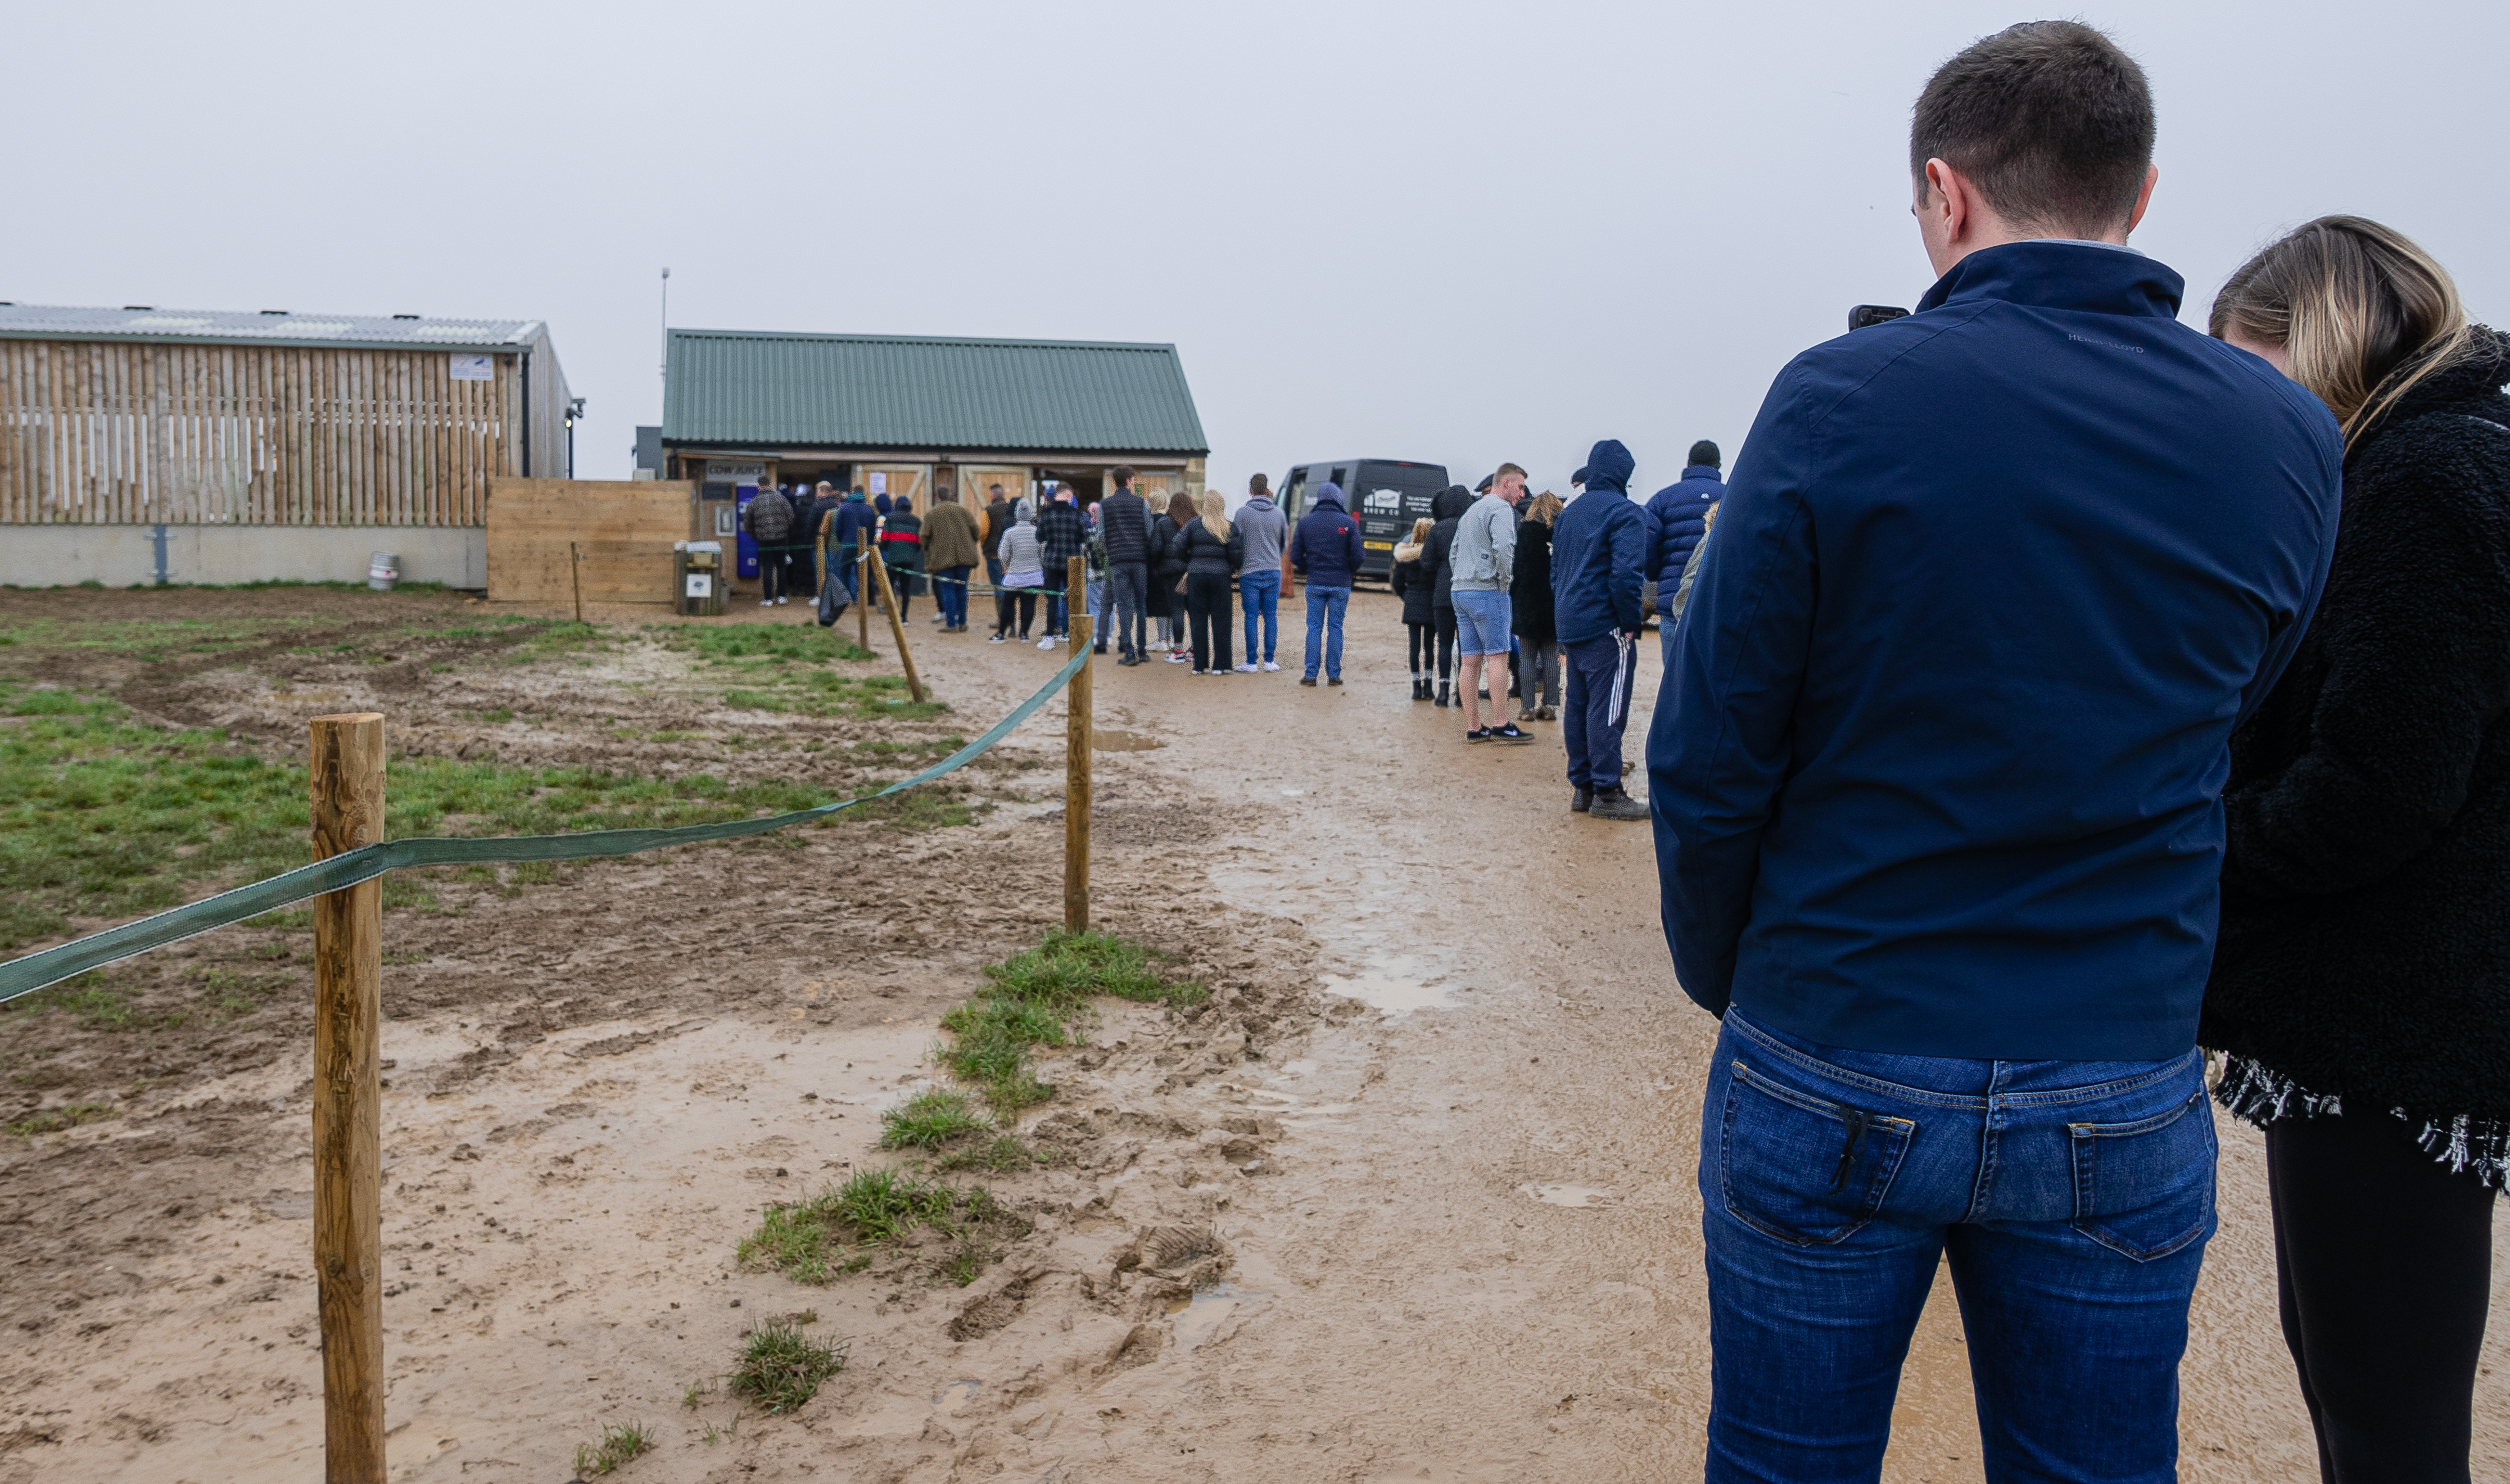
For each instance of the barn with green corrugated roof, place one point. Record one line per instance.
(910, 414)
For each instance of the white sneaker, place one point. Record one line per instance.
(1269, 667)
(781, 600)
(1247, 669)
(1046, 643)
(767, 602)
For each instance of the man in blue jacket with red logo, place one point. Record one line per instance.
(1937, 777)
(1325, 550)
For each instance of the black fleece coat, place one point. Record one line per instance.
(1448, 507)
(2364, 945)
(1529, 588)
(1413, 580)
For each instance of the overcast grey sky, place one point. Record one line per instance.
(1452, 232)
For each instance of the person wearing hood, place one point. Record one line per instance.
(1483, 556)
(1598, 549)
(1325, 550)
(1023, 573)
(768, 518)
(1259, 581)
(1446, 507)
(901, 552)
(1677, 520)
(850, 527)
(1529, 607)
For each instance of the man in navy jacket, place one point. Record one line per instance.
(1676, 518)
(1598, 546)
(1936, 778)
(1325, 550)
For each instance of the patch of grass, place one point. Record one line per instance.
(1032, 1002)
(101, 817)
(619, 1443)
(929, 1120)
(54, 1119)
(755, 645)
(497, 716)
(780, 1367)
(830, 1235)
(1068, 967)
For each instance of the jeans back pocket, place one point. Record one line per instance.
(2145, 1187)
(1801, 1167)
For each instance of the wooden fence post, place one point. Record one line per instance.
(574, 566)
(1078, 715)
(862, 598)
(898, 631)
(347, 755)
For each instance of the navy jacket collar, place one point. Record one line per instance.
(1701, 472)
(2059, 274)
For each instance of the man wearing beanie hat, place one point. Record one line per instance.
(1596, 547)
(1676, 519)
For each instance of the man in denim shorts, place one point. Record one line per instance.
(1936, 773)
(1484, 559)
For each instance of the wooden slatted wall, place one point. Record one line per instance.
(122, 433)
(624, 528)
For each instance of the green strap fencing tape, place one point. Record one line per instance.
(25, 976)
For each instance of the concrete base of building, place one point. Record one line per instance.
(128, 556)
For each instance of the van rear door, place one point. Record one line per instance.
(1390, 494)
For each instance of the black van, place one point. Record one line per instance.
(1386, 495)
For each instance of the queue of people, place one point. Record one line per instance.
(2057, 689)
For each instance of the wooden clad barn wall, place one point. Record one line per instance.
(913, 481)
(116, 433)
(624, 527)
(974, 478)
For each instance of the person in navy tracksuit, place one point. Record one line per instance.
(1677, 522)
(1598, 545)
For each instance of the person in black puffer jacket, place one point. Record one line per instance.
(2361, 981)
(1447, 508)
(1410, 579)
(1530, 605)
(1213, 550)
(1167, 572)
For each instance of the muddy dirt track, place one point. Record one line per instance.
(1412, 1199)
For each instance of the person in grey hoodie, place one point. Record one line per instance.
(1484, 558)
(1259, 581)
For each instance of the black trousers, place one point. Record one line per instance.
(1206, 605)
(1005, 601)
(771, 575)
(1422, 647)
(1446, 641)
(2383, 1257)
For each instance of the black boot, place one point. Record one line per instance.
(1419, 689)
(1582, 800)
(1613, 802)
(1443, 694)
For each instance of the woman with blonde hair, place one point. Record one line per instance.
(1213, 553)
(1410, 579)
(2361, 983)
(1538, 635)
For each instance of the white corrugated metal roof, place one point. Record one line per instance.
(53, 322)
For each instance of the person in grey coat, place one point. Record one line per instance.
(1259, 577)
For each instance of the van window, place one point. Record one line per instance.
(1342, 478)
(1294, 498)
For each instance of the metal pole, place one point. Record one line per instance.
(1078, 713)
(575, 569)
(347, 757)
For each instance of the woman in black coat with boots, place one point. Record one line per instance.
(2361, 982)
(1411, 579)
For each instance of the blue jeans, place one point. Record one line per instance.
(1130, 581)
(1260, 592)
(841, 566)
(1602, 672)
(1096, 600)
(2073, 1200)
(950, 587)
(1482, 622)
(1058, 613)
(1325, 608)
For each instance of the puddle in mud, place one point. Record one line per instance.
(1573, 1197)
(1199, 1318)
(1124, 742)
(1394, 985)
